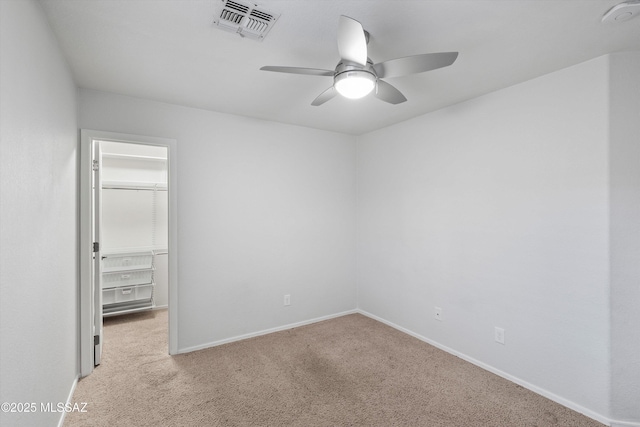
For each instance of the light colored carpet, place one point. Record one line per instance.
(348, 371)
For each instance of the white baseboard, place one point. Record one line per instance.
(69, 399)
(624, 424)
(265, 332)
(558, 399)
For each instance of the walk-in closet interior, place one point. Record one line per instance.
(134, 227)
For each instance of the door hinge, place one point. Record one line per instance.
(96, 339)
(96, 246)
(95, 165)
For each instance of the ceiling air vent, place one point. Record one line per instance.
(247, 19)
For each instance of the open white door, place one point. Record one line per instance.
(91, 307)
(97, 252)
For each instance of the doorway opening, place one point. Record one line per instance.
(128, 256)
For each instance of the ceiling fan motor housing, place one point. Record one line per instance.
(346, 66)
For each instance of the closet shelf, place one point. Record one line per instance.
(133, 157)
(117, 311)
(125, 185)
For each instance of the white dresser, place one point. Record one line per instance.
(127, 282)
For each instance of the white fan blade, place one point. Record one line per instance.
(324, 96)
(299, 70)
(414, 64)
(388, 93)
(352, 43)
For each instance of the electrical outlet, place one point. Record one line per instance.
(438, 313)
(499, 335)
(287, 299)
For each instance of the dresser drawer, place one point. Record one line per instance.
(127, 294)
(126, 261)
(126, 278)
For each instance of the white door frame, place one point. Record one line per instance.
(86, 309)
(96, 231)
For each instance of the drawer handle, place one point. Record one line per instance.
(125, 276)
(126, 291)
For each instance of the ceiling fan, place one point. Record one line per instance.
(356, 75)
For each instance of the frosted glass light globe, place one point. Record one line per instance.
(354, 84)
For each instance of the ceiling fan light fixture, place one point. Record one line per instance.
(356, 75)
(354, 84)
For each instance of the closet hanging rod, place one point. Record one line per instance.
(118, 185)
(132, 188)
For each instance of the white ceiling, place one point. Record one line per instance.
(170, 51)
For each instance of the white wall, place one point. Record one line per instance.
(625, 236)
(264, 210)
(38, 216)
(496, 210)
